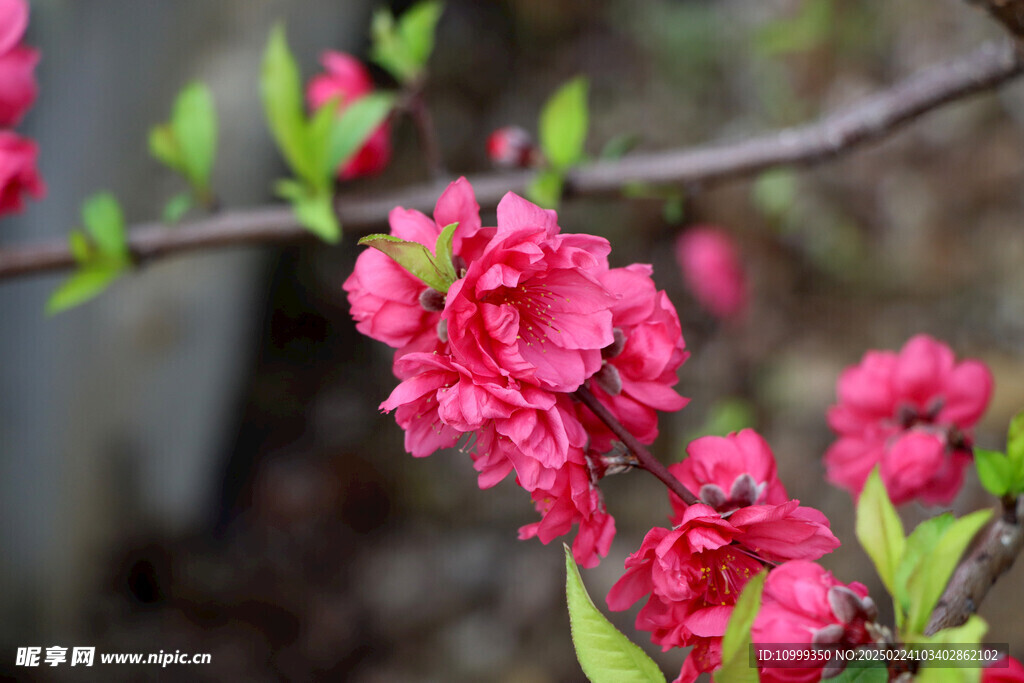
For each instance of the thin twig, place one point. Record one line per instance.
(993, 555)
(647, 461)
(839, 132)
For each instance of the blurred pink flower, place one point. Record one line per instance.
(693, 573)
(18, 173)
(347, 79)
(532, 306)
(511, 147)
(17, 63)
(712, 269)
(910, 412)
(1012, 673)
(804, 604)
(639, 367)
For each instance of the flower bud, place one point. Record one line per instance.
(511, 147)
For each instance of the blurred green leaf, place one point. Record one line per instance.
(620, 145)
(403, 47)
(316, 213)
(563, 124)
(103, 220)
(545, 189)
(194, 122)
(925, 585)
(355, 126)
(919, 544)
(775, 191)
(995, 471)
(415, 258)
(875, 672)
(880, 532)
(164, 147)
(85, 284)
(1015, 450)
(605, 655)
(281, 89)
(319, 130)
(736, 641)
(176, 208)
(78, 245)
(810, 28)
(967, 635)
(674, 210)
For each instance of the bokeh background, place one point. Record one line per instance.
(195, 460)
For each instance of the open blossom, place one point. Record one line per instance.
(17, 63)
(802, 603)
(18, 173)
(912, 413)
(1013, 672)
(711, 267)
(639, 368)
(347, 80)
(692, 574)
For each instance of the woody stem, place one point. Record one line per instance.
(646, 460)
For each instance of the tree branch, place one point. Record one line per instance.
(647, 461)
(991, 558)
(874, 118)
(1009, 13)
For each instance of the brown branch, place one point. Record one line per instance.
(993, 555)
(646, 460)
(874, 118)
(1009, 13)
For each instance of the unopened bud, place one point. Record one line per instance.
(608, 379)
(511, 147)
(744, 491)
(712, 495)
(618, 343)
(432, 300)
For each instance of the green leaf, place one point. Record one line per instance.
(673, 210)
(355, 126)
(925, 585)
(995, 471)
(281, 89)
(880, 531)
(194, 122)
(969, 633)
(807, 30)
(164, 147)
(414, 257)
(619, 146)
(775, 192)
(416, 28)
(290, 189)
(545, 189)
(1015, 450)
(875, 672)
(103, 220)
(78, 245)
(736, 642)
(318, 136)
(403, 47)
(443, 253)
(605, 655)
(86, 283)
(563, 124)
(919, 544)
(316, 213)
(176, 208)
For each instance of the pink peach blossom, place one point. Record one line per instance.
(17, 63)
(912, 413)
(532, 306)
(711, 267)
(1013, 672)
(18, 173)
(803, 604)
(346, 78)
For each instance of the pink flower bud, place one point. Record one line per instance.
(711, 267)
(18, 174)
(348, 80)
(511, 147)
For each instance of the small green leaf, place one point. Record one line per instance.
(673, 210)
(164, 147)
(79, 246)
(416, 27)
(880, 531)
(968, 634)
(1015, 450)
(318, 136)
(775, 192)
(563, 124)
(403, 47)
(920, 543)
(736, 642)
(86, 283)
(545, 189)
(443, 253)
(995, 471)
(605, 655)
(176, 208)
(194, 122)
(316, 213)
(412, 256)
(355, 126)
(925, 586)
(103, 220)
(619, 146)
(290, 189)
(875, 672)
(281, 89)
(803, 32)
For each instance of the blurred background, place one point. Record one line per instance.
(195, 461)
